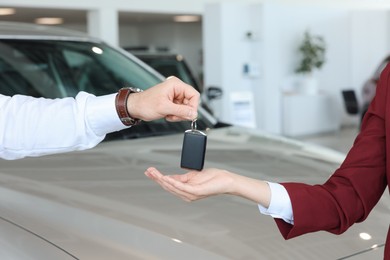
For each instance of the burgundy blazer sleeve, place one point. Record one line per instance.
(354, 189)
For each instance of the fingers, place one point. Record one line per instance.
(177, 112)
(170, 185)
(185, 100)
(183, 190)
(173, 184)
(172, 99)
(155, 175)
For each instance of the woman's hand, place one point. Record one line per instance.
(196, 185)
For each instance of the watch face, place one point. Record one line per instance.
(135, 90)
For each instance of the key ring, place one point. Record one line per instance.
(194, 128)
(193, 124)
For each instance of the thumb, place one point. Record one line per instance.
(178, 112)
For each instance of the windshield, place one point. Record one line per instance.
(58, 68)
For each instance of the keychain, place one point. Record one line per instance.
(194, 148)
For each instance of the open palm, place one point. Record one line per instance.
(194, 185)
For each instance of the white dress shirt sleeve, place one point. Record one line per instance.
(38, 126)
(280, 204)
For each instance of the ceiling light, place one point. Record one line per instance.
(7, 11)
(179, 57)
(49, 20)
(97, 50)
(186, 18)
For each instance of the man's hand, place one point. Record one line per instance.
(172, 99)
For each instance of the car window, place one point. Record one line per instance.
(63, 68)
(171, 65)
(59, 68)
(27, 73)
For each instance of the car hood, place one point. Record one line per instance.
(97, 204)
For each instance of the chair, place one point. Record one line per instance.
(350, 101)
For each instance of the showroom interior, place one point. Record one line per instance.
(249, 49)
(267, 115)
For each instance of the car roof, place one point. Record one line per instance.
(157, 54)
(16, 30)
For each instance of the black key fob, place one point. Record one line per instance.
(194, 150)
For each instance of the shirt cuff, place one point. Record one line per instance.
(280, 204)
(102, 115)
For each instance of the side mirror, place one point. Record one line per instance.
(213, 93)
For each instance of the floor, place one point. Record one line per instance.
(341, 140)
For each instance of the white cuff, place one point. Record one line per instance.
(280, 204)
(102, 115)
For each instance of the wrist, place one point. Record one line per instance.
(239, 186)
(133, 105)
(122, 106)
(255, 190)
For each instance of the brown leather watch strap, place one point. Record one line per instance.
(121, 106)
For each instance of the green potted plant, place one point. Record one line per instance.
(312, 51)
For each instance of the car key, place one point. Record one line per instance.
(194, 148)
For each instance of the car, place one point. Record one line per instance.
(60, 63)
(97, 204)
(169, 64)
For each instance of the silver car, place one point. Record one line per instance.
(97, 204)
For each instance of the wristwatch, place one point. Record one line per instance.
(121, 106)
